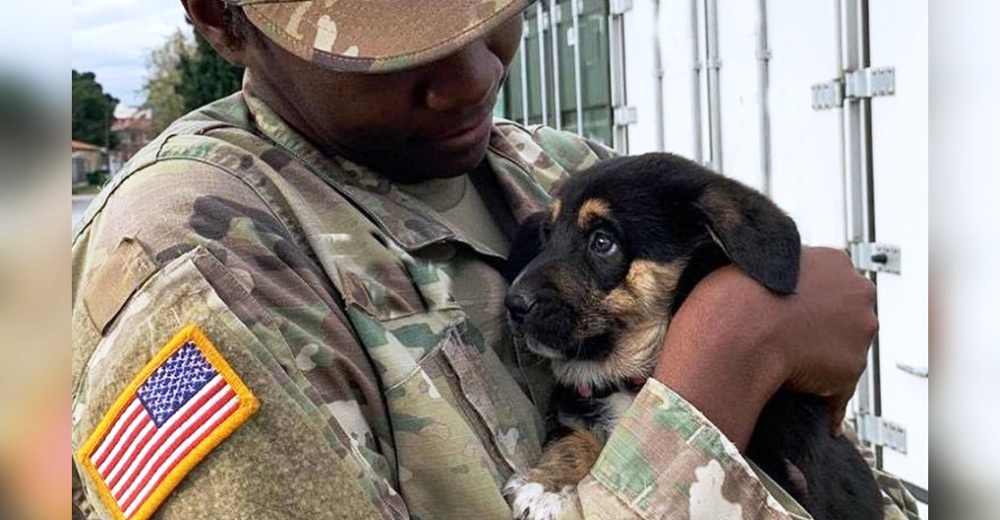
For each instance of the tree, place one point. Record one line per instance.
(184, 74)
(161, 87)
(93, 111)
(205, 76)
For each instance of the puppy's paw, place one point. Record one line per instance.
(531, 500)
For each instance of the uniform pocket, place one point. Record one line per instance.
(375, 276)
(461, 425)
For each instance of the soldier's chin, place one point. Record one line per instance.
(542, 349)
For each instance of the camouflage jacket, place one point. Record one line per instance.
(326, 290)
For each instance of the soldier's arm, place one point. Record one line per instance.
(184, 245)
(666, 460)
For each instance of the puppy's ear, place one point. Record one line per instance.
(754, 233)
(527, 244)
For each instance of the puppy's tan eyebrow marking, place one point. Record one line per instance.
(592, 209)
(554, 208)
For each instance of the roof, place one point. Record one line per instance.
(127, 112)
(141, 125)
(82, 146)
(127, 118)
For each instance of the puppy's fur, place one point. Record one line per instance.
(600, 276)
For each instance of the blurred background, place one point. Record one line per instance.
(872, 122)
(34, 262)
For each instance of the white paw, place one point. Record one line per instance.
(529, 500)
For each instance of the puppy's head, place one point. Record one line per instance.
(624, 242)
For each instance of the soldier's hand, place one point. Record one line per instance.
(829, 330)
(734, 343)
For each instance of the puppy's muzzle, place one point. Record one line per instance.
(519, 305)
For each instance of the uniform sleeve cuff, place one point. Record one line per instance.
(666, 460)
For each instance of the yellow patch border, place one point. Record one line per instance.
(248, 405)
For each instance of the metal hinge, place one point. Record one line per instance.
(875, 258)
(880, 432)
(866, 83)
(625, 116)
(857, 84)
(620, 7)
(828, 95)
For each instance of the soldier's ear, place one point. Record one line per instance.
(224, 27)
(753, 232)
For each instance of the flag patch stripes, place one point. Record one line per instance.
(181, 405)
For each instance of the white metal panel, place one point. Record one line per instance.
(677, 42)
(899, 38)
(640, 75)
(738, 89)
(806, 157)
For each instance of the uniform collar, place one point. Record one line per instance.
(410, 222)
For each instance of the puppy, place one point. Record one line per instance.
(600, 277)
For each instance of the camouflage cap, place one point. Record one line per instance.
(376, 35)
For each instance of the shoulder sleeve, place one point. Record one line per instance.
(549, 154)
(566, 146)
(180, 245)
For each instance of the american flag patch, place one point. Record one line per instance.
(181, 405)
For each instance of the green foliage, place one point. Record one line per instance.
(184, 74)
(98, 178)
(205, 76)
(161, 87)
(93, 111)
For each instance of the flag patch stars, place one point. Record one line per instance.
(175, 382)
(180, 406)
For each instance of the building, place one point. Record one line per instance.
(87, 158)
(133, 128)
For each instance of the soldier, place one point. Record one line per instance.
(289, 305)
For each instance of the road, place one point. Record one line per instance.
(80, 203)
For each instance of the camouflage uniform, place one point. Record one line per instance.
(328, 291)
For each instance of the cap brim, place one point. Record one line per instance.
(378, 35)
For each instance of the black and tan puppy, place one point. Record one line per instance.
(622, 245)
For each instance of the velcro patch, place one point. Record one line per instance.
(179, 407)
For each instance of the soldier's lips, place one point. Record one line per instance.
(467, 135)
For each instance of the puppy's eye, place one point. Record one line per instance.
(602, 243)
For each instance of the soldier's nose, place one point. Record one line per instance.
(518, 305)
(464, 80)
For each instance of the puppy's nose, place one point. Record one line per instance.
(518, 305)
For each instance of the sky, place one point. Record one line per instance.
(113, 39)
